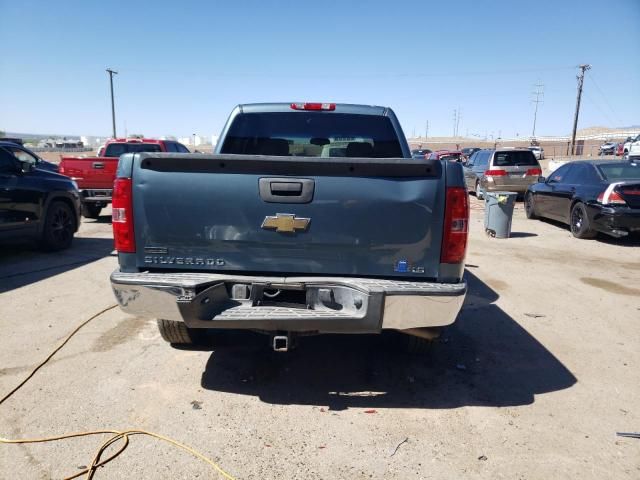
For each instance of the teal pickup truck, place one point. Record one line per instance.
(280, 234)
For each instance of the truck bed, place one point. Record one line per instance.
(90, 172)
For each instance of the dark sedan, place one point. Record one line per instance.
(468, 151)
(591, 197)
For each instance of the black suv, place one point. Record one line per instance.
(34, 201)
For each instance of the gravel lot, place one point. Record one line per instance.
(534, 380)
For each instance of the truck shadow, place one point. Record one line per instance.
(484, 359)
(22, 263)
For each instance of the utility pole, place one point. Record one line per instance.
(426, 130)
(113, 108)
(583, 68)
(458, 122)
(455, 121)
(538, 93)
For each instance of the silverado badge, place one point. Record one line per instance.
(285, 223)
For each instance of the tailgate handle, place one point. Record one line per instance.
(286, 190)
(98, 165)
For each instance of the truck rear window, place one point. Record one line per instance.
(117, 149)
(511, 159)
(312, 134)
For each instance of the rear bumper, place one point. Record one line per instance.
(617, 222)
(96, 195)
(335, 304)
(502, 186)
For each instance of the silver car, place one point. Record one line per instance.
(511, 170)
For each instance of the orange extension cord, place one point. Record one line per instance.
(117, 435)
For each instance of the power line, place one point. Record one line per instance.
(606, 101)
(597, 105)
(407, 74)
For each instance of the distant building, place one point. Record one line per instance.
(194, 140)
(91, 141)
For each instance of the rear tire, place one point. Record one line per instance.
(479, 193)
(412, 344)
(579, 222)
(59, 227)
(176, 333)
(417, 346)
(91, 211)
(529, 207)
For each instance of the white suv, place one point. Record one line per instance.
(634, 149)
(632, 144)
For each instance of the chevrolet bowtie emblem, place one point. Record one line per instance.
(286, 223)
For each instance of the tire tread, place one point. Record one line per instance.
(174, 332)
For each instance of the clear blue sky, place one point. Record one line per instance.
(184, 65)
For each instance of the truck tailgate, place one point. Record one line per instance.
(90, 172)
(326, 216)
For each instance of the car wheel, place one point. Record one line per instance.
(177, 333)
(479, 192)
(59, 227)
(580, 227)
(529, 207)
(91, 211)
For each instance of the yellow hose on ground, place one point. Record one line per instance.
(117, 435)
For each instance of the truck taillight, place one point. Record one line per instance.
(534, 172)
(61, 169)
(313, 106)
(122, 216)
(495, 173)
(456, 225)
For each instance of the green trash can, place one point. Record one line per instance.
(498, 211)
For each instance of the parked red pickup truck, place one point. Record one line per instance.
(95, 175)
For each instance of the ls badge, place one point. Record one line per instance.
(285, 223)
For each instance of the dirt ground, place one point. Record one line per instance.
(533, 381)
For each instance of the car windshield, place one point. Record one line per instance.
(620, 171)
(511, 159)
(454, 157)
(117, 149)
(312, 134)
